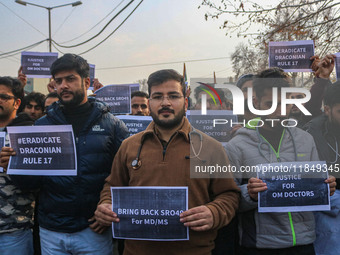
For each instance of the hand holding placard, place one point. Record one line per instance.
(255, 185)
(22, 77)
(5, 154)
(332, 184)
(105, 216)
(96, 85)
(51, 86)
(323, 67)
(199, 218)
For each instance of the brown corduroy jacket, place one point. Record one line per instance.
(220, 195)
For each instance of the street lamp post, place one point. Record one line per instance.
(49, 15)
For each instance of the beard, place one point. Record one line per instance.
(295, 113)
(140, 114)
(5, 113)
(171, 123)
(78, 97)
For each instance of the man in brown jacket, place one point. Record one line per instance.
(164, 160)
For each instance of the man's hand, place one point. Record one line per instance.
(332, 184)
(255, 186)
(199, 218)
(96, 85)
(5, 154)
(104, 215)
(234, 129)
(323, 67)
(326, 66)
(96, 227)
(51, 86)
(315, 64)
(22, 77)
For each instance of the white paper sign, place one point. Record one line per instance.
(292, 56)
(294, 187)
(42, 150)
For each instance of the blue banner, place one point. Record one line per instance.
(117, 98)
(42, 150)
(37, 64)
(291, 56)
(150, 213)
(134, 123)
(294, 187)
(216, 123)
(92, 75)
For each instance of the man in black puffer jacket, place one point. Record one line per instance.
(326, 132)
(67, 203)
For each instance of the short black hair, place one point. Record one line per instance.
(243, 79)
(14, 85)
(162, 76)
(37, 97)
(332, 95)
(139, 94)
(70, 62)
(270, 78)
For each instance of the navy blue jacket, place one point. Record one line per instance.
(319, 128)
(66, 203)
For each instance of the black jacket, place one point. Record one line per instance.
(325, 140)
(66, 203)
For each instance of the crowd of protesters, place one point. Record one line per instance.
(73, 214)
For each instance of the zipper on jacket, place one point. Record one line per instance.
(292, 227)
(277, 154)
(165, 146)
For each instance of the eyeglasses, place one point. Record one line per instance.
(170, 98)
(5, 97)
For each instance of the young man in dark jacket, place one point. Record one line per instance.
(326, 132)
(67, 203)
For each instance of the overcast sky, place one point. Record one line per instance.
(159, 31)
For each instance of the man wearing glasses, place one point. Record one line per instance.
(67, 203)
(164, 160)
(16, 209)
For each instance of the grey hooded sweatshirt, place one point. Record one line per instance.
(271, 230)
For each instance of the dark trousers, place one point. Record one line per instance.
(296, 250)
(227, 239)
